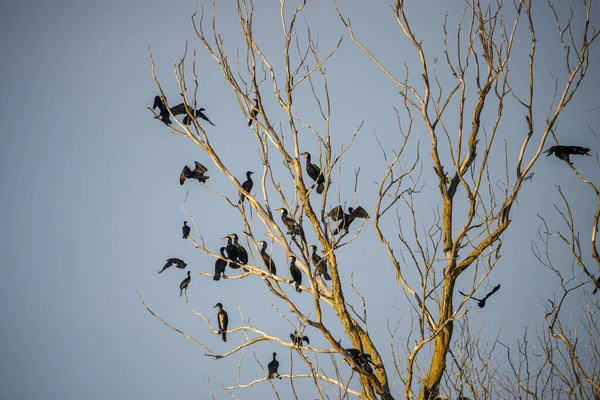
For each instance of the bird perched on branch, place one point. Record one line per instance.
(360, 359)
(253, 112)
(269, 263)
(338, 214)
(295, 273)
(184, 284)
(315, 173)
(220, 265)
(232, 253)
(247, 186)
(174, 261)
(163, 110)
(223, 321)
(564, 152)
(298, 338)
(197, 173)
(242, 254)
(185, 229)
(187, 120)
(272, 367)
(292, 226)
(319, 263)
(481, 302)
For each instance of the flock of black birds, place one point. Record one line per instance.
(235, 255)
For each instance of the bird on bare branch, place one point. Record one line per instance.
(223, 321)
(345, 219)
(184, 284)
(197, 173)
(564, 152)
(273, 366)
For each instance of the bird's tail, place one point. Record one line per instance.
(298, 288)
(216, 277)
(180, 292)
(320, 188)
(249, 122)
(224, 336)
(326, 276)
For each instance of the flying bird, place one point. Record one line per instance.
(272, 367)
(338, 214)
(185, 229)
(295, 273)
(269, 263)
(481, 302)
(564, 152)
(223, 321)
(247, 186)
(187, 120)
(297, 338)
(197, 173)
(319, 263)
(220, 265)
(174, 261)
(315, 173)
(253, 112)
(292, 226)
(184, 284)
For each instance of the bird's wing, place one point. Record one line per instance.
(579, 150)
(336, 213)
(305, 338)
(157, 103)
(494, 290)
(225, 320)
(186, 172)
(178, 109)
(360, 212)
(200, 169)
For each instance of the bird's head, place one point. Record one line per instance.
(262, 243)
(185, 223)
(313, 248)
(226, 238)
(281, 210)
(293, 258)
(233, 236)
(274, 354)
(305, 154)
(219, 305)
(248, 173)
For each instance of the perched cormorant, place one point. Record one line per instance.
(295, 273)
(247, 186)
(242, 254)
(338, 214)
(184, 284)
(232, 253)
(319, 263)
(197, 173)
(185, 229)
(292, 226)
(174, 261)
(187, 120)
(297, 338)
(269, 263)
(360, 359)
(272, 367)
(563, 152)
(220, 265)
(315, 173)
(223, 320)
(481, 302)
(253, 112)
(164, 112)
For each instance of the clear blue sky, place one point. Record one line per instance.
(91, 204)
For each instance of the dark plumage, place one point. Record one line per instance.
(292, 226)
(360, 359)
(197, 173)
(597, 285)
(187, 120)
(253, 112)
(184, 284)
(269, 263)
(242, 254)
(295, 273)
(298, 338)
(338, 214)
(564, 152)
(223, 321)
(232, 253)
(319, 263)
(273, 367)
(185, 229)
(247, 186)
(163, 111)
(173, 261)
(220, 265)
(315, 173)
(481, 302)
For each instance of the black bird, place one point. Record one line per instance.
(174, 261)
(298, 338)
(253, 112)
(197, 173)
(223, 321)
(597, 285)
(315, 173)
(360, 359)
(269, 263)
(564, 152)
(242, 254)
(295, 273)
(185, 229)
(220, 265)
(338, 214)
(184, 284)
(232, 253)
(247, 186)
(272, 367)
(292, 226)
(164, 112)
(319, 263)
(481, 302)
(187, 120)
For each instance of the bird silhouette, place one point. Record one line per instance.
(295, 273)
(292, 226)
(269, 263)
(220, 265)
(163, 110)
(360, 359)
(345, 219)
(184, 284)
(187, 120)
(481, 302)
(253, 112)
(223, 321)
(273, 366)
(315, 173)
(197, 173)
(319, 263)
(232, 253)
(247, 186)
(564, 152)
(242, 254)
(185, 229)
(298, 338)
(173, 261)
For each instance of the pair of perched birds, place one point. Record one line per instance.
(164, 114)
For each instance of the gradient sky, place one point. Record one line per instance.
(91, 202)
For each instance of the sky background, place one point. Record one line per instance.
(91, 204)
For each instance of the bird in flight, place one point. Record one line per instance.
(197, 173)
(564, 152)
(481, 302)
(345, 219)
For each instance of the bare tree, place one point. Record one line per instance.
(479, 172)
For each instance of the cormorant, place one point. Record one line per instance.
(247, 186)
(295, 273)
(187, 120)
(360, 359)
(563, 152)
(164, 112)
(220, 265)
(232, 253)
(272, 367)
(242, 254)
(197, 173)
(319, 263)
(185, 229)
(269, 263)
(253, 112)
(174, 261)
(481, 302)
(338, 214)
(184, 284)
(297, 338)
(315, 173)
(292, 226)
(223, 320)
